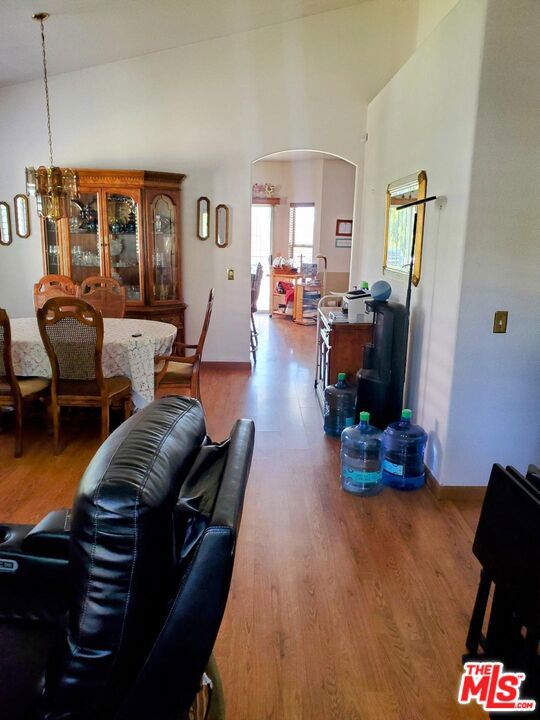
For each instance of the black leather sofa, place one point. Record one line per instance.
(111, 611)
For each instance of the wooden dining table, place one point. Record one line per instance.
(129, 349)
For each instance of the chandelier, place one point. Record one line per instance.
(53, 187)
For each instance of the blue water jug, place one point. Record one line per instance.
(339, 404)
(361, 456)
(403, 454)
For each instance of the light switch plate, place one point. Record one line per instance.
(500, 321)
(230, 273)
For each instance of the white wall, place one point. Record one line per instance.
(329, 183)
(337, 201)
(495, 409)
(207, 110)
(424, 119)
(430, 14)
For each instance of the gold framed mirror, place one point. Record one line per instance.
(5, 224)
(398, 227)
(203, 218)
(222, 225)
(22, 215)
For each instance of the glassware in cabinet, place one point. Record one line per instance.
(124, 242)
(51, 247)
(165, 257)
(85, 246)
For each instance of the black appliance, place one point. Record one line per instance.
(381, 378)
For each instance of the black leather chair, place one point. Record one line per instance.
(111, 611)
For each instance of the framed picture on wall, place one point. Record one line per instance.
(343, 228)
(343, 242)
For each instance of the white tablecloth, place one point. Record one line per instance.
(123, 354)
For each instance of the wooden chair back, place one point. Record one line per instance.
(72, 333)
(206, 323)
(104, 294)
(53, 286)
(7, 374)
(256, 280)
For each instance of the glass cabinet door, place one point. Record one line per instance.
(165, 260)
(124, 242)
(52, 247)
(84, 237)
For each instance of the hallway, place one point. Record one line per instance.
(341, 608)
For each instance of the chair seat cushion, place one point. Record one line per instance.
(113, 386)
(28, 386)
(178, 373)
(90, 388)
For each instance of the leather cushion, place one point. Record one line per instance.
(122, 556)
(24, 651)
(77, 388)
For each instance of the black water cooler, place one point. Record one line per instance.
(380, 381)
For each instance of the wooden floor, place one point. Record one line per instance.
(341, 608)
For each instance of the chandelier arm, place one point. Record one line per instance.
(45, 79)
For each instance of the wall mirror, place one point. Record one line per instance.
(22, 216)
(203, 218)
(5, 224)
(399, 225)
(222, 226)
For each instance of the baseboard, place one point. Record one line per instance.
(219, 365)
(454, 492)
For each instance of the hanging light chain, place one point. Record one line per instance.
(45, 79)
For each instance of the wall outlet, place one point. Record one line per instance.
(500, 321)
(230, 273)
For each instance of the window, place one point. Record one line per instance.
(301, 226)
(399, 225)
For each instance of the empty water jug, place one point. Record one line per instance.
(339, 402)
(403, 454)
(361, 455)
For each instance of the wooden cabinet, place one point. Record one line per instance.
(124, 224)
(340, 348)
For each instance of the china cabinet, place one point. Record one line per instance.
(124, 224)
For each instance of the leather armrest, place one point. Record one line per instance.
(230, 499)
(34, 570)
(50, 537)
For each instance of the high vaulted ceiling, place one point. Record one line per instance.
(83, 33)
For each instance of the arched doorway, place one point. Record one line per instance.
(301, 217)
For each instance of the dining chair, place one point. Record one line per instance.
(72, 332)
(256, 279)
(104, 294)
(14, 391)
(180, 370)
(53, 286)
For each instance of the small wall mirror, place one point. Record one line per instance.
(203, 218)
(5, 224)
(222, 225)
(22, 216)
(399, 225)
